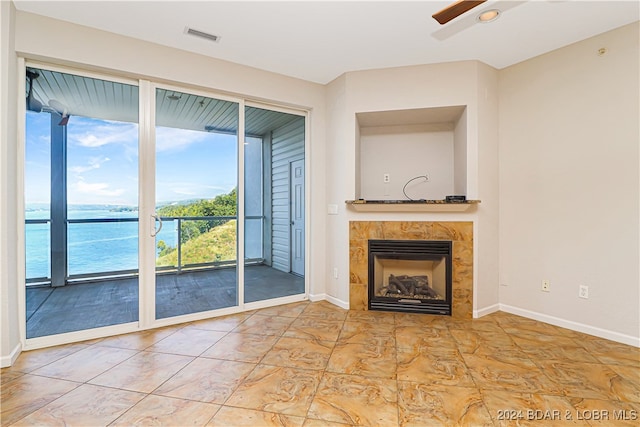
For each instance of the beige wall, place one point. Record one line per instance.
(460, 155)
(405, 152)
(339, 167)
(484, 174)
(569, 191)
(9, 332)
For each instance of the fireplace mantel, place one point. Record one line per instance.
(362, 205)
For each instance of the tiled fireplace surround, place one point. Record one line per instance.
(459, 232)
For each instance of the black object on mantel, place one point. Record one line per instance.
(456, 199)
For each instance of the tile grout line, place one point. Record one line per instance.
(226, 333)
(324, 371)
(194, 358)
(224, 404)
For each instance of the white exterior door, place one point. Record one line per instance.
(297, 216)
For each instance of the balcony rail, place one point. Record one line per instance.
(179, 266)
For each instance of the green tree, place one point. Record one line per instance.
(223, 205)
(164, 248)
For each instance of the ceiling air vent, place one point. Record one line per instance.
(202, 34)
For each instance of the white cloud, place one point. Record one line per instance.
(94, 136)
(176, 139)
(93, 163)
(184, 191)
(170, 190)
(96, 189)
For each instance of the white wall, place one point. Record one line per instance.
(569, 190)
(341, 162)
(58, 42)
(484, 174)
(460, 155)
(403, 88)
(9, 332)
(405, 152)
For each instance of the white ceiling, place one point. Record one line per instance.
(320, 40)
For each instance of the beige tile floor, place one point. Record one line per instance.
(313, 364)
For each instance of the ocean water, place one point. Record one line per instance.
(92, 247)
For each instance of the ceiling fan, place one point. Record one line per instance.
(455, 9)
(61, 109)
(53, 106)
(460, 7)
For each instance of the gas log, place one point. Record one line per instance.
(411, 286)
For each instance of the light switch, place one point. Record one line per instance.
(332, 209)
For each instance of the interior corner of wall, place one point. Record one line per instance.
(10, 358)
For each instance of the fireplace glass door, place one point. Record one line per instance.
(412, 279)
(410, 276)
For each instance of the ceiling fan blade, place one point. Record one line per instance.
(456, 9)
(454, 28)
(58, 107)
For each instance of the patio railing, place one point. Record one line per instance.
(96, 251)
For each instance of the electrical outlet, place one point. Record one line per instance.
(546, 285)
(583, 292)
(427, 178)
(386, 178)
(335, 272)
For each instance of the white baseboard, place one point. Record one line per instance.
(329, 298)
(317, 297)
(487, 310)
(574, 326)
(8, 360)
(338, 302)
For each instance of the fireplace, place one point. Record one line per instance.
(413, 276)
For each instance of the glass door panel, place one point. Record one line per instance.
(81, 194)
(196, 200)
(274, 150)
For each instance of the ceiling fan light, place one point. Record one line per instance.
(489, 15)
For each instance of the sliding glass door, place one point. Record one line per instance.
(223, 183)
(196, 186)
(81, 202)
(274, 200)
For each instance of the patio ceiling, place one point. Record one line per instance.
(89, 97)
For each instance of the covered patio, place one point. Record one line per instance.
(56, 310)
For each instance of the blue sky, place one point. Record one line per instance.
(102, 162)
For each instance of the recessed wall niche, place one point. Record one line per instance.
(395, 146)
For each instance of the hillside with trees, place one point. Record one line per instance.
(202, 240)
(216, 245)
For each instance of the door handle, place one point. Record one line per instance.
(155, 231)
